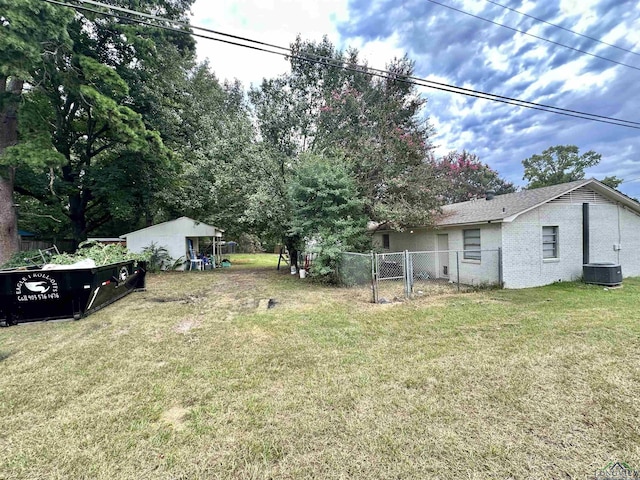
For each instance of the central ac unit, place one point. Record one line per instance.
(609, 274)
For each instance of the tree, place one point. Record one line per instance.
(214, 142)
(465, 177)
(612, 181)
(326, 210)
(31, 32)
(559, 164)
(375, 124)
(94, 102)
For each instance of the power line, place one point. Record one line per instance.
(563, 28)
(534, 36)
(177, 22)
(631, 180)
(284, 49)
(358, 69)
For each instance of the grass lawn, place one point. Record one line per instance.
(196, 378)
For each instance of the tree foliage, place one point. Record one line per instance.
(375, 124)
(327, 213)
(465, 177)
(214, 143)
(30, 32)
(559, 164)
(612, 181)
(90, 99)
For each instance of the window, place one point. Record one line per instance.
(550, 242)
(471, 244)
(385, 241)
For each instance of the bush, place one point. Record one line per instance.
(250, 243)
(158, 258)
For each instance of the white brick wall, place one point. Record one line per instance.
(471, 272)
(421, 240)
(630, 243)
(521, 242)
(523, 265)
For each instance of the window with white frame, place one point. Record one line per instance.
(550, 242)
(385, 241)
(471, 244)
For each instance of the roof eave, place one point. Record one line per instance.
(469, 224)
(511, 218)
(619, 197)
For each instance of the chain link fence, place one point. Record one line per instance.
(355, 269)
(444, 271)
(398, 275)
(390, 277)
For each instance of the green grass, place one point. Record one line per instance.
(195, 378)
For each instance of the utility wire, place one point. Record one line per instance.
(563, 28)
(176, 22)
(284, 49)
(362, 69)
(631, 180)
(535, 36)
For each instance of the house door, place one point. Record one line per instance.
(443, 256)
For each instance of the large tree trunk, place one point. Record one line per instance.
(78, 217)
(292, 246)
(9, 243)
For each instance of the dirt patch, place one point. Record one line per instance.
(186, 325)
(189, 298)
(176, 417)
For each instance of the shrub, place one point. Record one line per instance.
(158, 258)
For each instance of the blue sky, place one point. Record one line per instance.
(454, 48)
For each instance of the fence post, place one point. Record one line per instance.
(410, 273)
(500, 273)
(374, 280)
(407, 278)
(458, 268)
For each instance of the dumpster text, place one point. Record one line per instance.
(36, 286)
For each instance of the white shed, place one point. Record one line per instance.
(183, 238)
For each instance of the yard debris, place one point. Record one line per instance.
(188, 298)
(267, 303)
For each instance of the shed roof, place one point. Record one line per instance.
(189, 226)
(507, 207)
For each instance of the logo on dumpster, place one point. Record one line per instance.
(36, 286)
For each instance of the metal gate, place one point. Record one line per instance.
(390, 276)
(403, 274)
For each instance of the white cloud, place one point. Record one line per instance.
(448, 48)
(276, 22)
(379, 52)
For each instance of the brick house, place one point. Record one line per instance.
(544, 235)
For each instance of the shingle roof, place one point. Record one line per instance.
(503, 206)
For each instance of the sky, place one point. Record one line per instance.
(454, 48)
